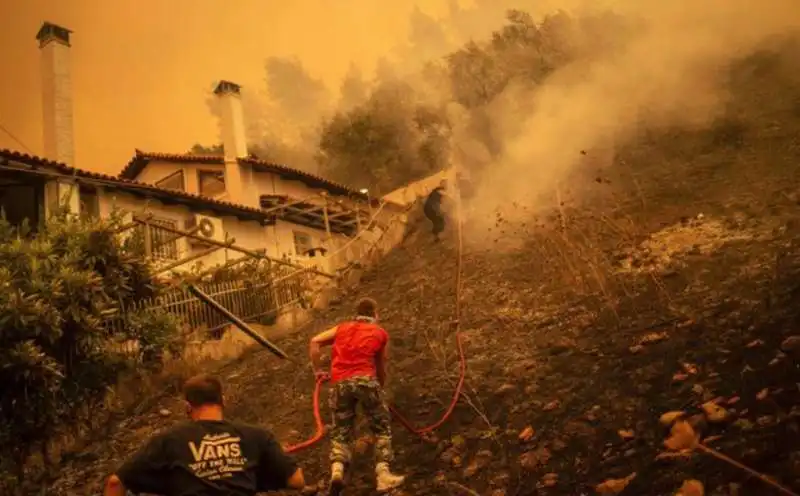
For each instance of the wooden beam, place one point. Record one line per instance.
(251, 253)
(185, 260)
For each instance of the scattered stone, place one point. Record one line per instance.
(481, 461)
(691, 487)
(653, 337)
(593, 413)
(505, 389)
(637, 348)
(527, 434)
(791, 346)
(669, 418)
(614, 486)
(535, 459)
(690, 368)
(715, 413)
(549, 480)
(164, 412)
(733, 400)
(682, 437)
(551, 406)
(762, 395)
(754, 344)
(626, 434)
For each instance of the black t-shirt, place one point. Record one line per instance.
(208, 458)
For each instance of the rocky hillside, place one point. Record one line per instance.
(675, 289)
(577, 341)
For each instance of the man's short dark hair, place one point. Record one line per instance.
(367, 307)
(202, 390)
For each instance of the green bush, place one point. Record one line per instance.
(59, 288)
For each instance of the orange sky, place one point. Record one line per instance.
(141, 68)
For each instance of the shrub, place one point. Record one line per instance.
(59, 287)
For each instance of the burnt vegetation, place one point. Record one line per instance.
(667, 280)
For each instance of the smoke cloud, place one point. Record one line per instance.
(667, 70)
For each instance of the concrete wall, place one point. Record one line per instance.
(408, 194)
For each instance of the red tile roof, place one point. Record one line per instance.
(167, 196)
(141, 159)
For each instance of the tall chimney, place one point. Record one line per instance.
(57, 93)
(233, 137)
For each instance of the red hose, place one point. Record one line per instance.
(420, 431)
(317, 419)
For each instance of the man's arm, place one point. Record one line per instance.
(141, 473)
(277, 470)
(315, 347)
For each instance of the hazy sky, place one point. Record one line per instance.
(141, 68)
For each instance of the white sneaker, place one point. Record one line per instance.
(387, 480)
(337, 477)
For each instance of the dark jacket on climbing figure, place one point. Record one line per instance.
(433, 209)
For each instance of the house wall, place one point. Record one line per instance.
(282, 234)
(271, 184)
(278, 240)
(248, 234)
(156, 171)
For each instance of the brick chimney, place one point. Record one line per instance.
(56, 93)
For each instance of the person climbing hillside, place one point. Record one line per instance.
(357, 376)
(433, 209)
(207, 456)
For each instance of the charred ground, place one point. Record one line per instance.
(674, 286)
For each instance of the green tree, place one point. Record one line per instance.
(60, 288)
(390, 139)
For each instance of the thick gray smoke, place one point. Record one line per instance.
(668, 71)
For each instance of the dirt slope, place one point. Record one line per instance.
(648, 324)
(674, 286)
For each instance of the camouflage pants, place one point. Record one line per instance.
(345, 397)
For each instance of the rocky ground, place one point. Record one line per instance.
(673, 290)
(577, 342)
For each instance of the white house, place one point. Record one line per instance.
(284, 212)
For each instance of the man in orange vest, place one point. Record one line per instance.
(358, 374)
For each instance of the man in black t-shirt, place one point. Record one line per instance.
(207, 456)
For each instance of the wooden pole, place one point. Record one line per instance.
(237, 321)
(178, 263)
(251, 253)
(326, 219)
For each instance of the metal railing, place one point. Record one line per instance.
(261, 297)
(256, 296)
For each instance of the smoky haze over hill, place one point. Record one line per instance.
(657, 65)
(514, 96)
